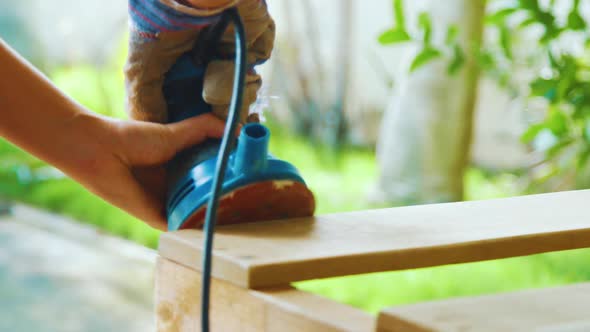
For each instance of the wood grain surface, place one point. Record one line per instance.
(278, 252)
(563, 309)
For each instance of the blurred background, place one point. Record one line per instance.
(379, 103)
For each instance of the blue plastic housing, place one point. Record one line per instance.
(248, 164)
(191, 172)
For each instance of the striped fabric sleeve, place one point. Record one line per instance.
(150, 17)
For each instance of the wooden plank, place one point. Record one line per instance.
(278, 252)
(564, 309)
(237, 309)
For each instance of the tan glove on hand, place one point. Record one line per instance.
(162, 30)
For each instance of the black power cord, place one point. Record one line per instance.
(228, 16)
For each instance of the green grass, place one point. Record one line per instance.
(21, 179)
(373, 292)
(342, 185)
(341, 182)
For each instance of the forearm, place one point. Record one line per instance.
(100, 153)
(40, 119)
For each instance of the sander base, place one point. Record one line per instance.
(260, 201)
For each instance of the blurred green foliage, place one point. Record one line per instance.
(99, 88)
(373, 292)
(27, 179)
(562, 78)
(428, 51)
(339, 186)
(567, 124)
(340, 181)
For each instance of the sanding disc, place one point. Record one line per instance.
(260, 201)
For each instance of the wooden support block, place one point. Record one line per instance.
(284, 309)
(563, 309)
(279, 252)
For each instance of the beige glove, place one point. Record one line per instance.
(162, 30)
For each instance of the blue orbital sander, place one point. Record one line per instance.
(219, 181)
(242, 181)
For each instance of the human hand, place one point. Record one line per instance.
(120, 161)
(128, 169)
(155, 48)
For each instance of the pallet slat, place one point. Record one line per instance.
(279, 252)
(236, 309)
(564, 309)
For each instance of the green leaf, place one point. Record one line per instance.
(426, 55)
(557, 123)
(452, 33)
(546, 88)
(425, 23)
(485, 59)
(583, 157)
(558, 148)
(578, 96)
(457, 61)
(575, 20)
(531, 133)
(587, 131)
(550, 34)
(547, 19)
(505, 41)
(552, 59)
(393, 36)
(398, 13)
(398, 33)
(582, 112)
(500, 16)
(527, 22)
(532, 5)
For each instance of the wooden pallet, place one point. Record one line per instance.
(254, 264)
